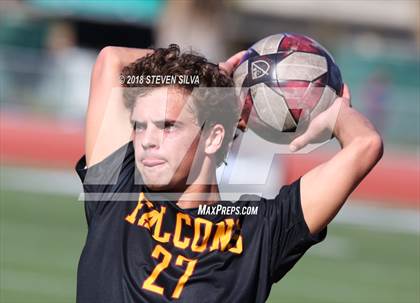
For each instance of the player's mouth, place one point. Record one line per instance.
(151, 162)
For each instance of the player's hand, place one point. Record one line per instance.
(321, 128)
(229, 67)
(230, 64)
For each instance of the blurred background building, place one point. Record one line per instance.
(47, 50)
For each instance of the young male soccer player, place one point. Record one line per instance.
(151, 156)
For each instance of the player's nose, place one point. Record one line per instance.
(152, 137)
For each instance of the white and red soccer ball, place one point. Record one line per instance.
(283, 80)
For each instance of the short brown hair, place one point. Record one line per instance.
(213, 106)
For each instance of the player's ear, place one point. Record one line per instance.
(214, 139)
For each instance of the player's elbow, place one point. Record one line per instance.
(371, 148)
(106, 59)
(107, 55)
(375, 147)
(379, 147)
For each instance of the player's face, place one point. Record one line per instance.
(166, 138)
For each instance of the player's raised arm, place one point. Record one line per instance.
(325, 188)
(107, 120)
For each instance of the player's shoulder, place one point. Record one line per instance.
(113, 174)
(252, 201)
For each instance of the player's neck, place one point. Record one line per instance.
(200, 192)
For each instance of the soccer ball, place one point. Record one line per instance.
(284, 81)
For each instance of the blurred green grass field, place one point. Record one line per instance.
(42, 236)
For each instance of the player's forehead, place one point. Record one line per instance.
(164, 103)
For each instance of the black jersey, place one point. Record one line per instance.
(146, 250)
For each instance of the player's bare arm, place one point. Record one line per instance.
(120, 236)
(325, 188)
(107, 120)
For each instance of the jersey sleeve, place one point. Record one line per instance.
(290, 234)
(103, 181)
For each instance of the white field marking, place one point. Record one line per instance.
(334, 247)
(379, 218)
(67, 182)
(54, 181)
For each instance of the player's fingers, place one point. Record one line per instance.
(347, 94)
(226, 67)
(298, 143)
(236, 58)
(316, 129)
(230, 64)
(305, 138)
(346, 91)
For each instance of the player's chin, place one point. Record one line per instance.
(168, 185)
(156, 180)
(155, 184)
(157, 187)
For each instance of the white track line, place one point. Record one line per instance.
(362, 214)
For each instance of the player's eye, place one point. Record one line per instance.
(138, 126)
(169, 126)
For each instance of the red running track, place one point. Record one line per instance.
(46, 142)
